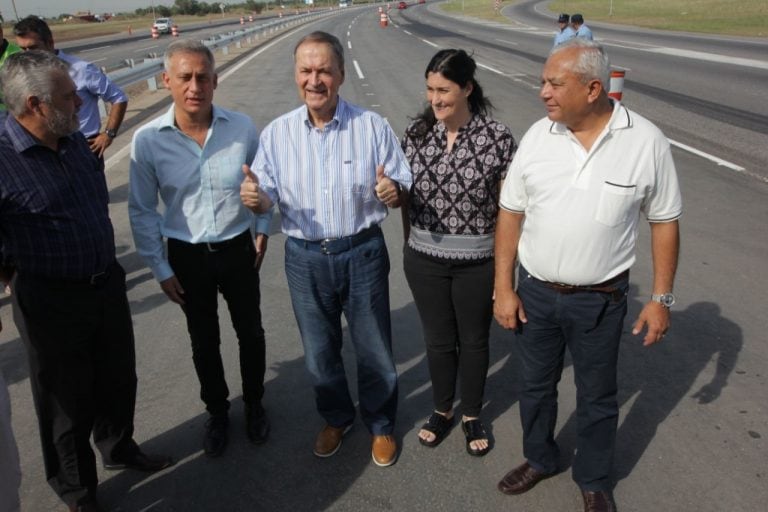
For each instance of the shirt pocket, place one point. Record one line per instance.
(616, 203)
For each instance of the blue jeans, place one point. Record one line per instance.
(353, 282)
(589, 324)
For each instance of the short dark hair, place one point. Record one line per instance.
(33, 24)
(329, 39)
(564, 18)
(577, 18)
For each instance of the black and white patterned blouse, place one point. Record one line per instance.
(454, 199)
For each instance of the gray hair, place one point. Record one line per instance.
(26, 74)
(329, 39)
(187, 46)
(592, 62)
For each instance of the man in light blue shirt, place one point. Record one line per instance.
(580, 29)
(32, 33)
(332, 169)
(565, 31)
(192, 157)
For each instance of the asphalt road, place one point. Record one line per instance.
(693, 422)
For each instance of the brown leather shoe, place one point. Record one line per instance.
(598, 501)
(384, 450)
(521, 479)
(328, 441)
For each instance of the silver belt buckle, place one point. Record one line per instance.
(324, 245)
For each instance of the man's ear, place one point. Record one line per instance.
(595, 89)
(33, 103)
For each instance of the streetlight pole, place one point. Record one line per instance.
(15, 12)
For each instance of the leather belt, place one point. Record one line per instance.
(338, 245)
(604, 287)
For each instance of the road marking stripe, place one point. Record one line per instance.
(358, 70)
(718, 161)
(430, 43)
(489, 68)
(349, 44)
(507, 42)
(94, 49)
(407, 32)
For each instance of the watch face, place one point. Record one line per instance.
(668, 299)
(111, 133)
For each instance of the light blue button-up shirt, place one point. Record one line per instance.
(91, 84)
(564, 35)
(199, 186)
(323, 180)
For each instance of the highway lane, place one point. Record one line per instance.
(715, 106)
(693, 419)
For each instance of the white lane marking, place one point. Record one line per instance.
(711, 57)
(94, 49)
(97, 60)
(347, 33)
(407, 32)
(507, 42)
(117, 156)
(349, 44)
(147, 48)
(430, 43)
(465, 32)
(489, 68)
(358, 70)
(712, 158)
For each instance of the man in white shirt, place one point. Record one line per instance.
(580, 179)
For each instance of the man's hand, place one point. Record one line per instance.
(508, 309)
(99, 144)
(260, 243)
(655, 318)
(386, 189)
(172, 288)
(250, 193)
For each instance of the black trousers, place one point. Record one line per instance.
(80, 344)
(203, 271)
(454, 299)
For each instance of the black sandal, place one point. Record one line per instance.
(474, 431)
(438, 425)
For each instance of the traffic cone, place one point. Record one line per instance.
(617, 84)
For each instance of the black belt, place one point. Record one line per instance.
(215, 246)
(337, 245)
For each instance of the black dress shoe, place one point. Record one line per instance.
(141, 462)
(521, 479)
(598, 501)
(256, 424)
(216, 435)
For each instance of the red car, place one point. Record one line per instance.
(402, 5)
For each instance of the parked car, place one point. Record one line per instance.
(402, 5)
(163, 25)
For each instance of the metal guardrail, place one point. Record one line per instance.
(151, 67)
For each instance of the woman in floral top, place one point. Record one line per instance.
(459, 157)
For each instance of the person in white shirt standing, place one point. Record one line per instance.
(580, 180)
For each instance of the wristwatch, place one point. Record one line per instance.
(665, 299)
(111, 133)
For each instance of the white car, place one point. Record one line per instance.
(163, 25)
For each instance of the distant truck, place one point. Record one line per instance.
(345, 3)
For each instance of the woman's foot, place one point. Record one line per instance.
(436, 428)
(477, 438)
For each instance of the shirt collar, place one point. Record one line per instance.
(336, 120)
(22, 140)
(168, 120)
(620, 120)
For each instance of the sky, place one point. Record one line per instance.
(51, 8)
